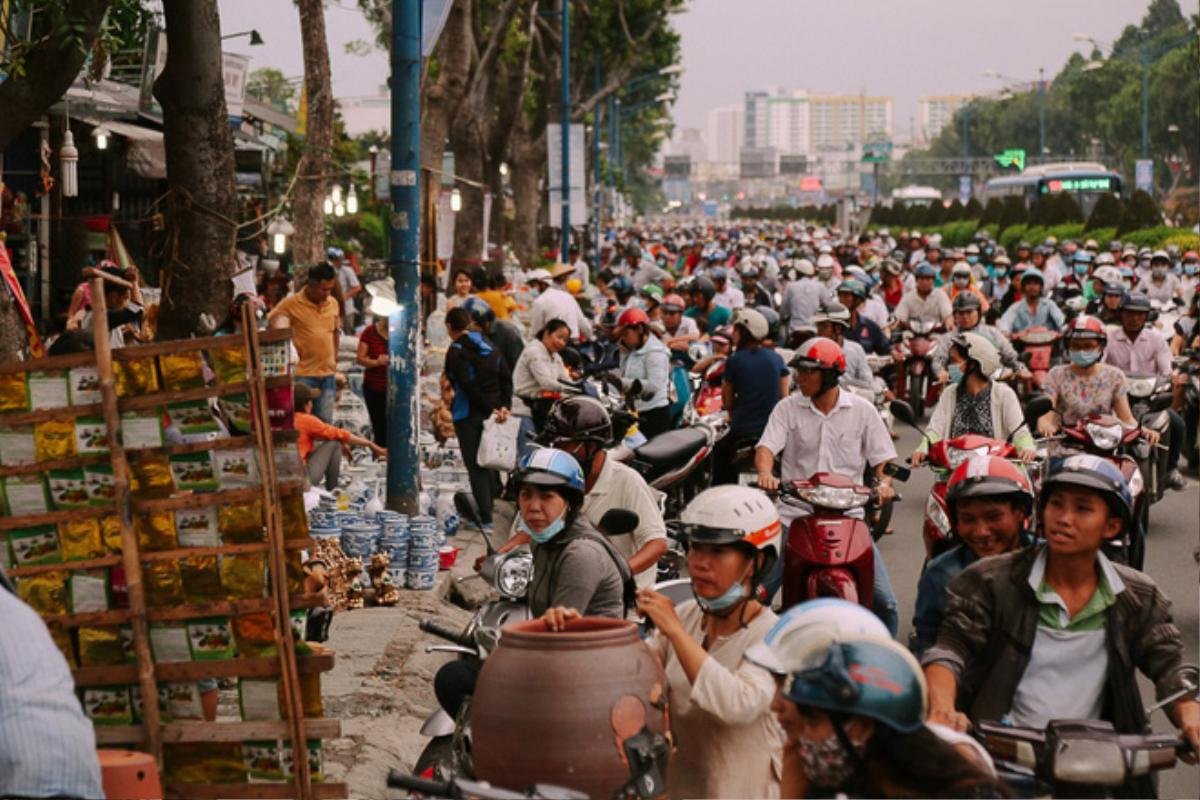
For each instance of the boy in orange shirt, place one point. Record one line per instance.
(321, 445)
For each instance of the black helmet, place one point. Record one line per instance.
(1135, 301)
(578, 419)
(705, 287)
(967, 301)
(622, 287)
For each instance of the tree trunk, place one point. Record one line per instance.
(453, 54)
(49, 69)
(202, 206)
(308, 245)
(529, 157)
(469, 155)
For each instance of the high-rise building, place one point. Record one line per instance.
(838, 121)
(787, 122)
(726, 128)
(935, 112)
(757, 119)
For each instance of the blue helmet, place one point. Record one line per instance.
(622, 287)
(854, 287)
(925, 270)
(480, 312)
(551, 467)
(334, 252)
(1083, 257)
(1090, 472)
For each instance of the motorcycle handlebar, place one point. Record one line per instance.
(450, 635)
(399, 780)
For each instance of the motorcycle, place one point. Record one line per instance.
(1188, 362)
(1149, 398)
(1164, 314)
(828, 553)
(918, 345)
(1036, 347)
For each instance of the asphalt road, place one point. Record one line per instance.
(1174, 535)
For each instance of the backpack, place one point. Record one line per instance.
(488, 371)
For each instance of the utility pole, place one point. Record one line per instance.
(564, 253)
(1041, 111)
(405, 323)
(1146, 101)
(597, 205)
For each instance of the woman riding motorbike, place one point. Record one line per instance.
(539, 372)
(647, 361)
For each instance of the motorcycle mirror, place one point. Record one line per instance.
(894, 470)
(904, 412)
(464, 504)
(1036, 408)
(1026, 357)
(1160, 402)
(617, 522)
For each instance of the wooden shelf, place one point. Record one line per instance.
(194, 670)
(31, 467)
(91, 563)
(44, 414)
(218, 731)
(55, 517)
(254, 791)
(222, 608)
(220, 550)
(206, 499)
(49, 363)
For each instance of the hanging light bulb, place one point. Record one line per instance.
(339, 210)
(504, 169)
(279, 230)
(337, 194)
(328, 205)
(100, 134)
(69, 158)
(455, 200)
(352, 201)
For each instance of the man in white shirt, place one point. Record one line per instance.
(727, 294)
(557, 303)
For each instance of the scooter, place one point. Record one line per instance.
(1037, 347)
(918, 344)
(1149, 398)
(828, 552)
(1188, 362)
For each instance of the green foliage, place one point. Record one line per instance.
(1102, 235)
(1056, 209)
(958, 234)
(973, 209)
(992, 230)
(124, 28)
(993, 212)
(1013, 213)
(935, 214)
(880, 216)
(1149, 237)
(955, 211)
(1010, 236)
(1106, 213)
(1184, 241)
(269, 85)
(1140, 212)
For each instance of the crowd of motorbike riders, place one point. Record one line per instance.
(792, 340)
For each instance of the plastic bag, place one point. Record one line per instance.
(498, 445)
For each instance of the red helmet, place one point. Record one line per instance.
(632, 316)
(988, 476)
(1085, 327)
(673, 302)
(820, 353)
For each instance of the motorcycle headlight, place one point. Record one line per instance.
(957, 455)
(937, 514)
(1040, 337)
(1141, 387)
(835, 497)
(1106, 437)
(512, 578)
(922, 326)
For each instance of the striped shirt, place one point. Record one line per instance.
(47, 746)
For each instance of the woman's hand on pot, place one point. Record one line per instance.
(660, 610)
(556, 618)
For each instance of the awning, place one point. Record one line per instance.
(146, 154)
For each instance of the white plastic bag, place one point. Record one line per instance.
(498, 445)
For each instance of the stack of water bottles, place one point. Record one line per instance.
(423, 559)
(394, 544)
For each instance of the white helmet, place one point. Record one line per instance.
(825, 261)
(805, 267)
(734, 514)
(811, 627)
(1107, 274)
(979, 349)
(754, 322)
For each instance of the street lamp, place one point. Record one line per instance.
(352, 201)
(1041, 84)
(255, 37)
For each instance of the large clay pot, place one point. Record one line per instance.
(556, 707)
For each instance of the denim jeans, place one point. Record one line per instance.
(1178, 432)
(327, 386)
(525, 436)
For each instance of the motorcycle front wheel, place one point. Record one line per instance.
(916, 394)
(437, 760)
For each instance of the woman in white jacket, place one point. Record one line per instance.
(537, 378)
(974, 403)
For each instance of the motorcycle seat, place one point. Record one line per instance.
(671, 448)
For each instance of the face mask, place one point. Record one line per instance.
(1191, 269)
(955, 372)
(972, 259)
(826, 762)
(961, 281)
(728, 599)
(547, 533)
(1158, 273)
(1084, 358)
(1001, 272)
(1081, 270)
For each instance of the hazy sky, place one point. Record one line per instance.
(902, 48)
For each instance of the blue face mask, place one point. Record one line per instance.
(547, 533)
(1084, 358)
(728, 599)
(1001, 272)
(1081, 269)
(955, 372)
(1191, 268)
(972, 259)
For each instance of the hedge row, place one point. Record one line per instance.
(960, 234)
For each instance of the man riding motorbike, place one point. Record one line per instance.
(1056, 631)
(801, 297)
(968, 319)
(831, 321)
(852, 294)
(1033, 309)
(989, 501)
(707, 314)
(821, 428)
(1161, 284)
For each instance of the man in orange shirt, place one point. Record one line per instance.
(315, 319)
(321, 446)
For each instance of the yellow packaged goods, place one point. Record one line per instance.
(255, 635)
(241, 523)
(295, 573)
(203, 762)
(14, 396)
(310, 695)
(100, 647)
(295, 521)
(150, 476)
(45, 593)
(80, 539)
(243, 576)
(54, 439)
(229, 363)
(164, 586)
(201, 579)
(110, 532)
(181, 371)
(135, 378)
(156, 531)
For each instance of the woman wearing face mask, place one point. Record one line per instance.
(1085, 386)
(974, 403)
(727, 744)
(848, 735)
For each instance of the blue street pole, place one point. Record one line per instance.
(564, 254)
(1146, 102)
(1041, 112)
(596, 204)
(404, 260)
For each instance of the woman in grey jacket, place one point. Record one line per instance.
(647, 361)
(537, 379)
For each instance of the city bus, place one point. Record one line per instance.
(923, 196)
(1086, 180)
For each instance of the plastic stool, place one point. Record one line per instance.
(129, 775)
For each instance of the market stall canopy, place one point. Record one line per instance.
(146, 155)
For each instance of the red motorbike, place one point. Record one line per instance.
(944, 457)
(918, 344)
(1037, 347)
(828, 552)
